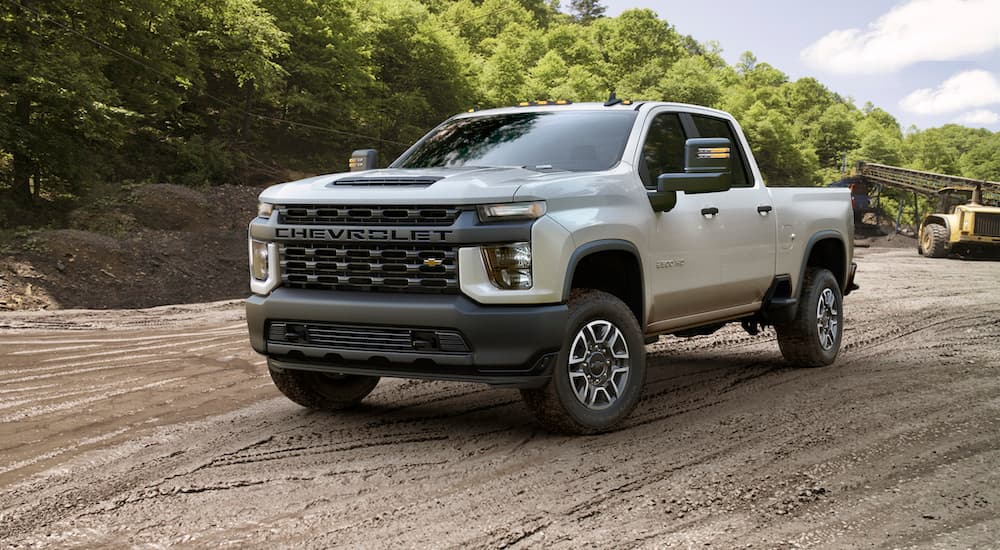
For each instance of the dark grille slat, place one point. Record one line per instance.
(369, 266)
(366, 338)
(323, 214)
(987, 225)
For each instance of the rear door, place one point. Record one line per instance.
(745, 229)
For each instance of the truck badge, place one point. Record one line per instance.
(433, 262)
(666, 264)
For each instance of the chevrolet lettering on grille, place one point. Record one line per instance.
(356, 234)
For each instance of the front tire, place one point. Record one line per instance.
(934, 240)
(813, 338)
(323, 391)
(601, 370)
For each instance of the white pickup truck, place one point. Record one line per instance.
(542, 247)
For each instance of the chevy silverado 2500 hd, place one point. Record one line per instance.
(542, 247)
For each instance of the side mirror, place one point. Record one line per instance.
(707, 169)
(363, 159)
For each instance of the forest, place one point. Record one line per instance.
(97, 96)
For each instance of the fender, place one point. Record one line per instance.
(605, 245)
(819, 236)
(941, 220)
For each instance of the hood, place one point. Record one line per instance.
(410, 186)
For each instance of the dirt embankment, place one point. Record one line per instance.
(162, 244)
(161, 428)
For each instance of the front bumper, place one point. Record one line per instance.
(507, 345)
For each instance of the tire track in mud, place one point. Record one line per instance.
(899, 331)
(39, 340)
(43, 396)
(108, 363)
(295, 451)
(39, 410)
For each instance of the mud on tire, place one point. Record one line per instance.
(323, 391)
(813, 338)
(599, 375)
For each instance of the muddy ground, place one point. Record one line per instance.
(161, 427)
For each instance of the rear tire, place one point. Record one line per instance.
(813, 338)
(323, 391)
(598, 379)
(934, 240)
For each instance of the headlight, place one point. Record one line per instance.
(511, 211)
(258, 260)
(264, 209)
(509, 266)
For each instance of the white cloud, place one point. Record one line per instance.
(982, 117)
(914, 31)
(965, 90)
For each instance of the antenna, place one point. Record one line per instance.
(612, 100)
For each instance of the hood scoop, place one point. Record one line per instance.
(422, 181)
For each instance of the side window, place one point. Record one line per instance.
(714, 127)
(663, 151)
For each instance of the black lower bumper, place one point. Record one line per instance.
(505, 345)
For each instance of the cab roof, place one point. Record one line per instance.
(595, 106)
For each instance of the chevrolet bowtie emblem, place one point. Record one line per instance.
(433, 262)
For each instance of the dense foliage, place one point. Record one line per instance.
(200, 92)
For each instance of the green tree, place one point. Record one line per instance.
(691, 80)
(637, 49)
(982, 160)
(834, 136)
(780, 158)
(586, 11)
(418, 72)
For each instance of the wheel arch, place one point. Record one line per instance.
(826, 249)
(625, 281)
(936, 219)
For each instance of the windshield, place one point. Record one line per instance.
(566, 140)
(952, 198)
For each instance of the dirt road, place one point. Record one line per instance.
(160, 427)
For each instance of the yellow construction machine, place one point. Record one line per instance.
(966, 220)
(961, 224)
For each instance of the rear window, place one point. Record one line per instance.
(709, 127)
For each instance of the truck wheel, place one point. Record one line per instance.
(813, 338)
(323, 391)
(601, 369)
(933, 240)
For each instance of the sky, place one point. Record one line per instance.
(928, 62)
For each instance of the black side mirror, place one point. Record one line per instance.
(707, 169)
(363, 159)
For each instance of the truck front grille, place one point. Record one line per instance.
(323, 214)
(370, 267)
(365, 338)
(987, 225)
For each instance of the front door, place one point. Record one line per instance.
(683, 259)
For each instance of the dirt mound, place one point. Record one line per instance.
(167, 206)
(163, 244)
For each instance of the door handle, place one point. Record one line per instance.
(764, 209)
(710, 211)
